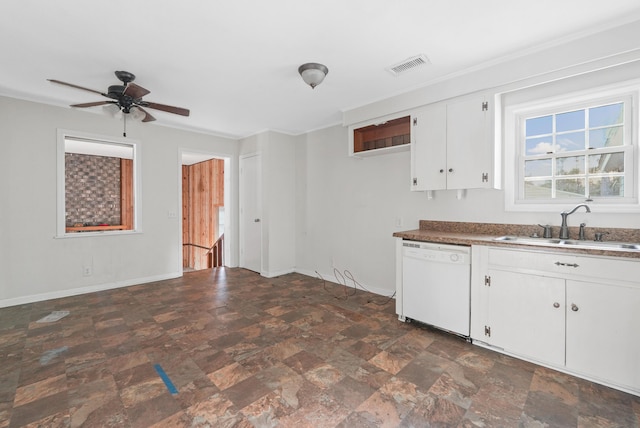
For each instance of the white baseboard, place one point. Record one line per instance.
(136, 281)
(331, 278)
(84, 290)
(277, 273)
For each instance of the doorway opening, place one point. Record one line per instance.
(205, 213)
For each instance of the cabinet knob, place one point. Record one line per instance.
(441, 171)
(450, 169)
(556, 305)
(574, 307)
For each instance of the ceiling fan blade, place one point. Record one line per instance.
(147, 116)
(59, 82)
(135, 91)
(93, 104)
(170, 109)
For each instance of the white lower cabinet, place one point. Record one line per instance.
(602, 332)
(580, 314)
(522, 316)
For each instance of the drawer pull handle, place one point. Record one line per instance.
(574, 307)
(556, 305)
(575, 265)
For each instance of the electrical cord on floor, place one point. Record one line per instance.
(350, 276)
(347, 294)
(340, 279)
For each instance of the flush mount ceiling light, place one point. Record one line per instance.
(313, 73)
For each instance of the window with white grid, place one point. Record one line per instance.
(575, 149)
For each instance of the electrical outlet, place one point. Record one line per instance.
(172, 214)
(398, 221)
(87, 271)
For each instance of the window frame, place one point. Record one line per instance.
(62, 135)
(514, 139)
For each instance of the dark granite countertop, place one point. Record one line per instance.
(460, 233)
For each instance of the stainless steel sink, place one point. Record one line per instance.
(603, 244)
(529, 241)
(599, 245)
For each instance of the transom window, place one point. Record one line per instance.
(576, 149)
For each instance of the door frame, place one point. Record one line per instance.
(230, 240)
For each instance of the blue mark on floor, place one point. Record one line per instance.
(170, 386)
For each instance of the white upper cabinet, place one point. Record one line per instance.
(453, 146)
(428, 148)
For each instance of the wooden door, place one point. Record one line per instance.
(202, 197)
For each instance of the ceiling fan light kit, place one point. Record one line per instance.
(313, 73)
(126, 98)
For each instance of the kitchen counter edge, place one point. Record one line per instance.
(466, 238)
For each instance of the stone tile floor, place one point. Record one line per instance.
(246, 351)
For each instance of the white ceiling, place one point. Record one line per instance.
(234, 63)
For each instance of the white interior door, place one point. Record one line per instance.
(250, 214)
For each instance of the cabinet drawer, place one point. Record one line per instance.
(566, 265)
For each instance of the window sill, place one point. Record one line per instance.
(554, 207)
(95, 232)
(94, 228)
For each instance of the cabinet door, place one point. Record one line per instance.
(428, 148)
(470, 149)
(526, 314)
(602, 332)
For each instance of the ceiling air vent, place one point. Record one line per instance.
(408, 64)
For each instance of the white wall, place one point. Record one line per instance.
(348, 208)
(279, 168)
(33, 264)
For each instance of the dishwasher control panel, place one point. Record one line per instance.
(442, 253)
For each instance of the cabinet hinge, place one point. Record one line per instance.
(415, 181)
(485, 177)
(415, 121)
(485, 105)
(487, 331)
(487, 280)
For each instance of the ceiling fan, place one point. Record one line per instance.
(126, 97)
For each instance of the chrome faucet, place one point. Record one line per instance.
(564, 229)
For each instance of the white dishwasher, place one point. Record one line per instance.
(436, 285)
